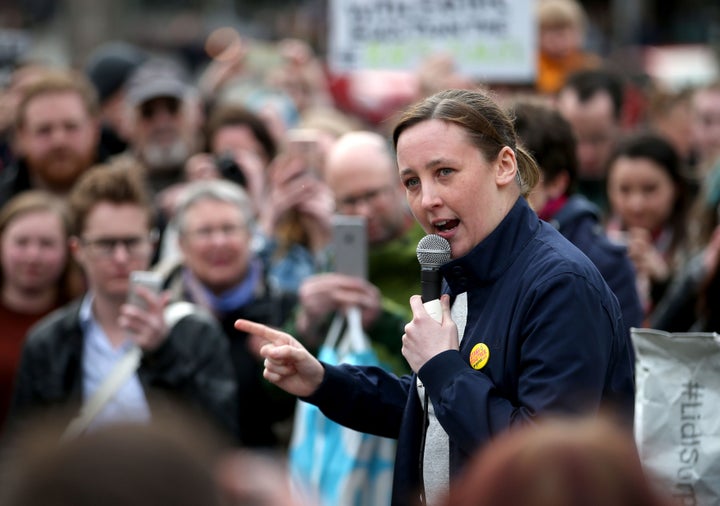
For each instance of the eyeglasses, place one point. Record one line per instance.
(228, 231)
(151, 107)
(105, 247)
(369, 197)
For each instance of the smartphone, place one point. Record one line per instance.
(304, 144)
(149, 279)
(350, 245)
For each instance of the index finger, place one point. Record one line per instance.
(258, 329)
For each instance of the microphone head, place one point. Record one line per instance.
(433, 251)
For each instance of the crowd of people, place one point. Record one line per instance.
(574, 211)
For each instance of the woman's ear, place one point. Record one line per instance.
(505, 167)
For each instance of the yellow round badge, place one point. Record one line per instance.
(479, 356)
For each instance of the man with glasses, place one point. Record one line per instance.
(69, 354)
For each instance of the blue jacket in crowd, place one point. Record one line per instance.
(556, 340)
(579, 222)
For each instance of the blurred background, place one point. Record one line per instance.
(66, 31)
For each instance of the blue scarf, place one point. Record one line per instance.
(234, 298)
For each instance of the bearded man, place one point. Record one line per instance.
(56, 135)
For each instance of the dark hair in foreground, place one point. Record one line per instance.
(116, 465)
(486, 124)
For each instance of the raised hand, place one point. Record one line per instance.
(287, 363)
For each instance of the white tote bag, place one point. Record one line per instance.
(341, 466)
(677, 412)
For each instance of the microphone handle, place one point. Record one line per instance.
(430, 284)
(431, 289)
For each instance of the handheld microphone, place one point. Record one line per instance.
(432, 252)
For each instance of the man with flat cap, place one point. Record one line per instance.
(164, 120)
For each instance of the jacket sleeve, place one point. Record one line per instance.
(363, 398)
(25, 395)
(565, 352)
(48, 375)
(194, 363)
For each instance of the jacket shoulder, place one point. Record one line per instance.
(55, 327)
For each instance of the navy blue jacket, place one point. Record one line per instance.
(579, 222)
(557, 345)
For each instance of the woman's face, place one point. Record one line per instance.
(215, 242)
(34, 251)
(451, 188)
(641, 193)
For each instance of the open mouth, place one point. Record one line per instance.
(446, 225)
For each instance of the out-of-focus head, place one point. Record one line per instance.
(164, 115)
(548, 137)
(56, 129)
(252, 479)
(110, 65)
(34, 231)
(592, 101)
(231, 128)
(237, 134)
(112, 227)
(215, 222)
(670, 113)
(361, 173)
(22, 75)
(561, 25)
(557, 463)
(646, 188)
(706, 123)
(117, 465)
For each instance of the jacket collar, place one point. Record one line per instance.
(488, 260)
(576, 207)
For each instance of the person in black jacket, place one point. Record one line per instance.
(68, 354)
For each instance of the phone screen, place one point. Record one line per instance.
(149, 279)
(350, 245)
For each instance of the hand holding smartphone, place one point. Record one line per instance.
(148, 279)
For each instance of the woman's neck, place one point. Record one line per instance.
(28, 301)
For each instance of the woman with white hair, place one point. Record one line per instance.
(220, 271)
